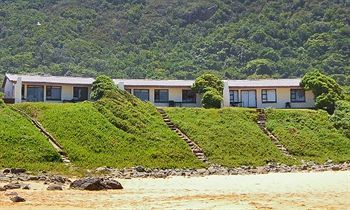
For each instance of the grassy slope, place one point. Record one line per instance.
(22, 145)
(309, 135)
(228, 136)
(92, 141)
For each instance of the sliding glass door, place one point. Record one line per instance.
(35, 93)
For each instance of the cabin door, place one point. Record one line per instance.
(248, 98)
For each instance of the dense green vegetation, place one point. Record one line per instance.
(176, 38)
(229, 136)
(136, 137)
(309, 135)
(22, 145)
(341, 117)
(326, 90)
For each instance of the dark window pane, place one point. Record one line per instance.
(161, 96)
(297, 95)
(35, 93)
(234, 96)
(188, 96)
(142, 94)
(53, 93)
(80, 93)
(268, 96)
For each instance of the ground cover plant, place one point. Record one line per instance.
(91, 140)
(229, 136)
(22, 145)
(309, 135)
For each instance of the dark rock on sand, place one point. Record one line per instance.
(17, 199)
(94, 184)
(12, 186)
(54, 187)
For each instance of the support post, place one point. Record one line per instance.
(18, 90)
(226, 95)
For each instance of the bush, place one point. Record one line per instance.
(211, 98)
(341, 117)
(2, 104)
(100, 86)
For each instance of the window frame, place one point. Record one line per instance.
(234, 100)
(87, 96)
(267, 99)
(194, 101)
(55, 87)
(295, 100)
(135, 90)
(160, 101)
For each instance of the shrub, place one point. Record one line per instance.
(2, 104)
(341, 117)
(100, 86)
(211, 98)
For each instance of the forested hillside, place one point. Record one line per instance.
(176, 38)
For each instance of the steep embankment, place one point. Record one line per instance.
(229, 137)
(131, 134)
(22, 145)
(309, 135)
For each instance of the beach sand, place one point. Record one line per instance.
(316, 190)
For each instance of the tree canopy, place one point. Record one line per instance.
(211, 98)
(206, 81)
(326, 90)
(176, 39)
(100, 86)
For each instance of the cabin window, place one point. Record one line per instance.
(22, 92)
(188, 96)
(234, 96)
(268, 96)
(53, 93)
(142, 94)
(35, 93)
(297, 95)
(161, 96)
(80, 93)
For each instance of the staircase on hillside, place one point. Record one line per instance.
(262, 124)
(50, 138)
(197, 151)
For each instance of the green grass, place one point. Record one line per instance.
(309, 135)
(22, 145)
(91, 140)
(229, 136)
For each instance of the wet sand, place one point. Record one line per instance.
(322, 190)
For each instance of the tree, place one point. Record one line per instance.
(341, 117)
(100, 86)
(326, 90)
(211, 98)
(206, 81)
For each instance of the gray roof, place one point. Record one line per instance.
(51, 79)
(265, 83)
(153, 83)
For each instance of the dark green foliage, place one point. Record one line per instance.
(120, 131)
(211, 98)
(309, 135)
(206, 81)
(102, 84)
(326, 90)
(229, 136)
(2, 104)
(175, 38)
(22, 145)
(341, 117)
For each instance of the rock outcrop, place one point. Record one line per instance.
(94, 184)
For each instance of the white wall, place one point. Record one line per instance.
(8, 89)
(283, 96)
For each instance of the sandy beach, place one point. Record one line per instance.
(322, 190)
